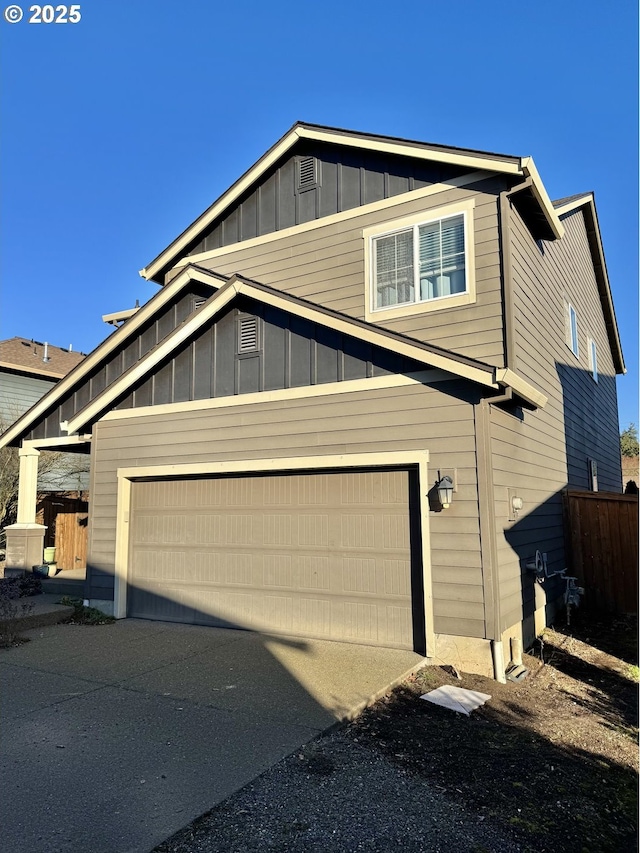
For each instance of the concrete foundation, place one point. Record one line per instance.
(467, 654)
(104, 605)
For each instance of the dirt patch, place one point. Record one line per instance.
(547, 765)
(554, 756)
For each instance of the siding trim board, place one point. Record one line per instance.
(348, 386)
(335, 218)
(417, 460)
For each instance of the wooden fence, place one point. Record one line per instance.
(66, 521)
(602, 545)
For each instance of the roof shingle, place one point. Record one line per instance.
(26, 356)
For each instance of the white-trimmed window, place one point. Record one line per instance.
(593, 358)
(571, 328)
(421, 263)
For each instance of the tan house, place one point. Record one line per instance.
(358, 321)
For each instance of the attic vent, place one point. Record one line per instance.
(307, 173)
(248, 334)
(198, 302)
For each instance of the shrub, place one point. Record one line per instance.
(85, 615)
(12, 607)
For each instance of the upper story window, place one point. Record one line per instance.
(571, 328)
(593, 359)
(421, 263)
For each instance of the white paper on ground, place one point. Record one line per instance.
(456, 698)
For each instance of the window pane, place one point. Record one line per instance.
(441, 246)
(573, 320)
(394, 269)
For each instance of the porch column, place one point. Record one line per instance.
(25, 539)
(28, 485)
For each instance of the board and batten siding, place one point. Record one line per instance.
(539, 455)
(343, 178)
(326, 265)
(439, 419)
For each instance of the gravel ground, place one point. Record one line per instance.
(340, 796)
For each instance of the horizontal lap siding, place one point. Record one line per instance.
(19, 393)
(363, 422)
(539, 456)
(521, 466)
(326, 265)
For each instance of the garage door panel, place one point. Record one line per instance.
(320, 555)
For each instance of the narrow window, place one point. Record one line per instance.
(592, 468)
(593, 359)
(571, 328)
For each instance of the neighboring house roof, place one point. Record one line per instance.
(225, 289)
(586, 202)
(518, 167)
(570, 199)
(20, 355)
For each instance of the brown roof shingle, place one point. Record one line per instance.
(26, 356)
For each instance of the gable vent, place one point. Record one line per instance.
(307, 173)
(198, 302)
(248, 334)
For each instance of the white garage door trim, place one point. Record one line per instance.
(415, 458)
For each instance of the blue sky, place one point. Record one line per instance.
(119, 130)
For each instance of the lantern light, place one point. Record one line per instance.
(445, 491)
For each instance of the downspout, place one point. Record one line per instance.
(488, 543)
(486, 493)
(504, 216)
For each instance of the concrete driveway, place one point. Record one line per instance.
(113, 737)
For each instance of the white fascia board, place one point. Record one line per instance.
(510, 379)
(530, 171)
(407, 149)
(55, 443)
(94, 359)
(575, 204)
(607, 284)
(117, 316)
(211, 307)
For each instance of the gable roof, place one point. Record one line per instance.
(21, 355)
(236, 285)
(224, 290)
(587, 203)
(74, 378)
(518, 167)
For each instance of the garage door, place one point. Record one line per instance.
(324, 555)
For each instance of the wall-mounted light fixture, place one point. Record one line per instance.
(445, 491)
(515, 504)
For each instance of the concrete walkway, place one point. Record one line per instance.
(116, 736)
